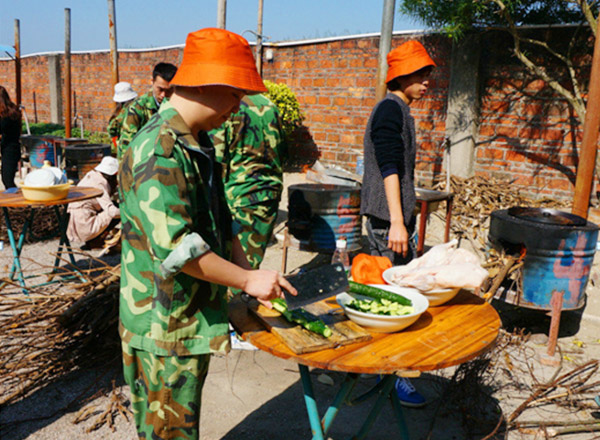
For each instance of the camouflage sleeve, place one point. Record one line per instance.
(131, 125)
(163, 213)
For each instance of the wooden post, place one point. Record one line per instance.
(385, 43)
(17, 62)
(67, 72)
(589, 143)
(221, 13)
(112, 36)
(259, 30)
(556, 302)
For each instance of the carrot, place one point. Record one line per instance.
(367, 269)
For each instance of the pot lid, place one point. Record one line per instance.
(547, 216)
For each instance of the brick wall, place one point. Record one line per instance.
(90, 82)
(525, 133)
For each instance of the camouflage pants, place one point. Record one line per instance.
(257, 223)
(166, 393)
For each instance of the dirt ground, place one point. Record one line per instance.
(250, 394)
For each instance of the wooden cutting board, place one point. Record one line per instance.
(300, 340)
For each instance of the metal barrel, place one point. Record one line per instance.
(40, 149)
(320, 214)
(81, 158)
(557, 258)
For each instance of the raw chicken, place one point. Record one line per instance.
(443, 266)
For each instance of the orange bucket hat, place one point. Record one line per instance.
(218, 57)
(406, 59)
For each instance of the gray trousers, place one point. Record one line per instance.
(377, 235)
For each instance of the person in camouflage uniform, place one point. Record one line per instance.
(179, 251)
(142, 109)
(124, 96)
(250, 146)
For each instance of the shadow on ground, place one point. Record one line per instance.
(450, 414)
(68, 394)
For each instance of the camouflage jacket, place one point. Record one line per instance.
(172, 211)
(114, 125)
(139, 112)
(250, 145)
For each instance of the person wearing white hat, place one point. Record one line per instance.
(124, 96)
(92, 220)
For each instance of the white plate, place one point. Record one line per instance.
(385, 323)
(436, 297)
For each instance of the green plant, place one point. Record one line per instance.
(50, 129)
(288, 105)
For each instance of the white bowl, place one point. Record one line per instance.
(436, 297)
(384, 323)
(441, 296)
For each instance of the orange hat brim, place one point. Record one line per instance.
(200, 74)
(214, 56)
(407, 58)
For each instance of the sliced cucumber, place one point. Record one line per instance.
(376, 293)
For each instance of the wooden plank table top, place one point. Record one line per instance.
(443, 336)
(76, 194)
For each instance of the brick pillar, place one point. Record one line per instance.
(55, 84)
(463, 105)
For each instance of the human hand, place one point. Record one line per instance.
(265, 285)
(398, 239)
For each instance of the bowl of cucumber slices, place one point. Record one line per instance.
(381, 307)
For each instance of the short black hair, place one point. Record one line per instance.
(394, 84)
(165, 70)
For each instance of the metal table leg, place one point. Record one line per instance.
(311, 404)
(383, 390)
(16, 248)
(63, 222)
(387, 384)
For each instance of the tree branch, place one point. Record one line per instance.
(588, 14)
(575, 100)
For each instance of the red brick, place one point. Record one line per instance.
(514, 156)
(552, 135)
(487, 130)
(510, 132)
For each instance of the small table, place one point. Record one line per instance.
(443, 336)
(16, 200)
(424, 198)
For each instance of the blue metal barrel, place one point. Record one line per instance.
(559, 253)
(319, 214)
(39, 149)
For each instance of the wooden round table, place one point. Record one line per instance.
(15, 199)
(443, 336)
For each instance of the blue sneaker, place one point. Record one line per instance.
(407, 394)
(597, 399)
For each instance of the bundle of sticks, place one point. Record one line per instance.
(475, 198)
(55, 330)
(43, 224)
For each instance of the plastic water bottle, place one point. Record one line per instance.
(340, 255)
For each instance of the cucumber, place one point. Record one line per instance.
(304, 318)
(376, 293)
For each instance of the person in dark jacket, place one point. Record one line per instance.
(388, 191)
(10, 146)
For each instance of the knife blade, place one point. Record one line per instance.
(316, 284)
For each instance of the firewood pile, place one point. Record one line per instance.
(53, 331)
(43, 225)
(475, 199)
(547, 404)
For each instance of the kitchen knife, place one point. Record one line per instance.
(316, 284)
